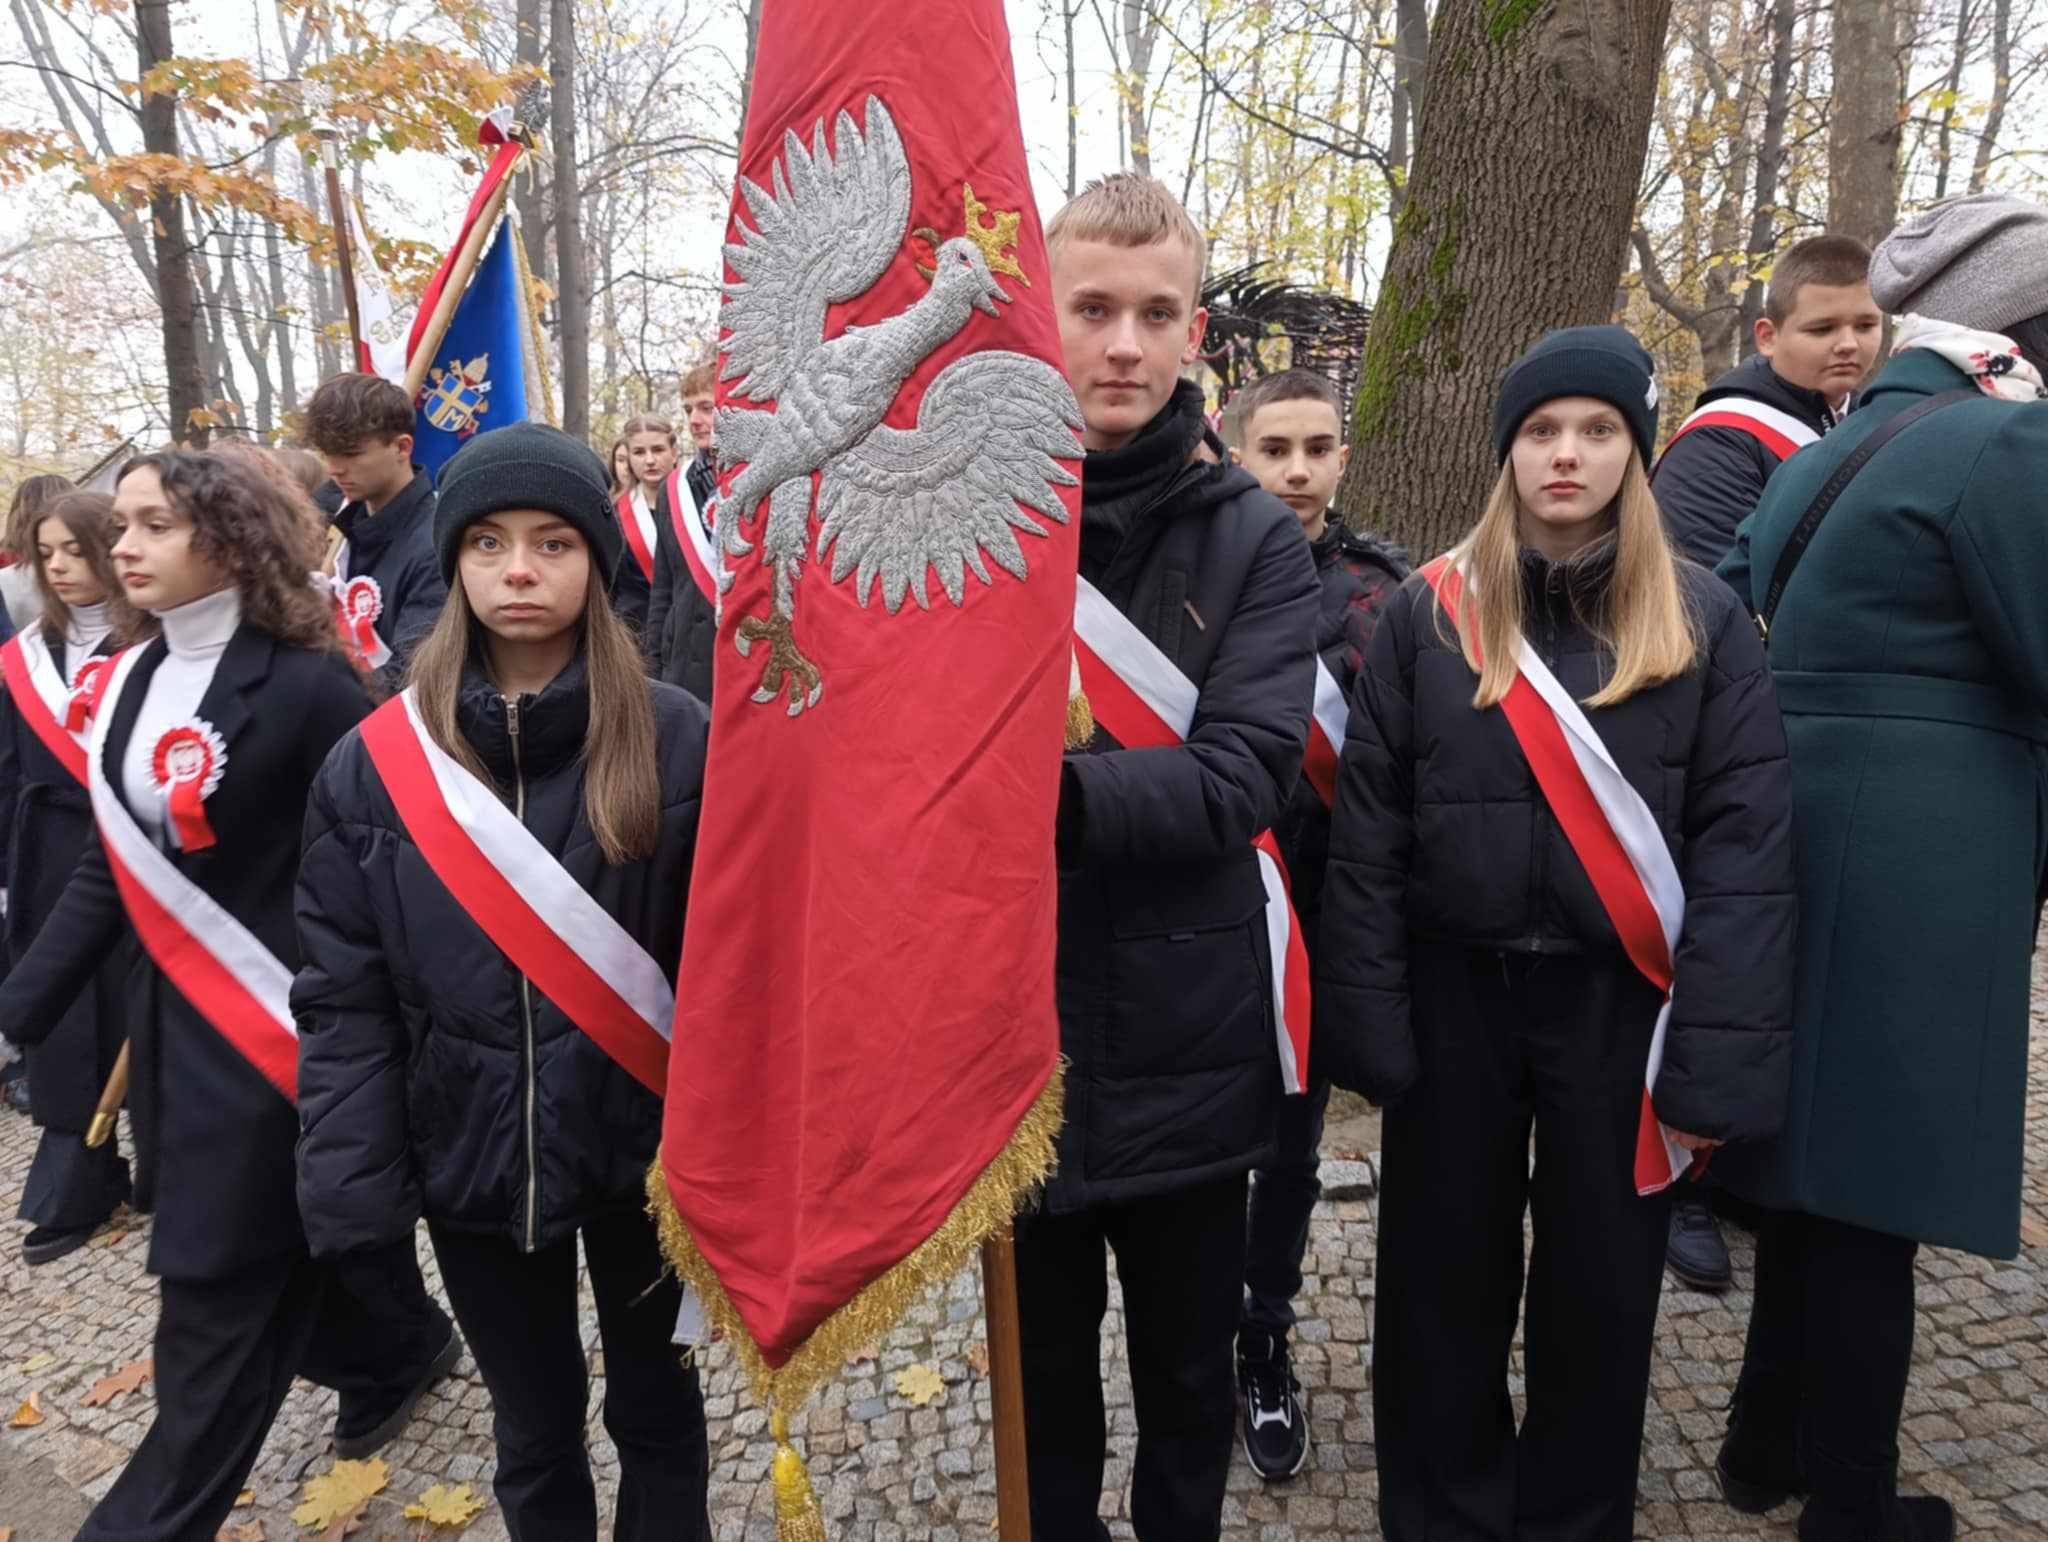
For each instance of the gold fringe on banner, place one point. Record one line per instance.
(988, 1207)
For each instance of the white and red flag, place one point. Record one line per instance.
(863, 1078)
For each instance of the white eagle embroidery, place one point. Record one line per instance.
(892, 503)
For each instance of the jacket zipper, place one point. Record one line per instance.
(525, 1002)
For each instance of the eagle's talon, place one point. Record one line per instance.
(786, 668)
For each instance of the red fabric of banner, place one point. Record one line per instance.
(870, 939)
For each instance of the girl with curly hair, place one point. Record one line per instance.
(204, 743)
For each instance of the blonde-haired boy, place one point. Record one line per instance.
(1163, 973)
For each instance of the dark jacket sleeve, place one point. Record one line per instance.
(418, 609)
(1734, 570)
(81, 930)
(1998, 541)
(667, 567)
(1706, 484)
(1363, 1038)
(357, 1187)
(1210, 796)
(1728, 1050)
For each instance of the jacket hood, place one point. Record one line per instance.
(1755, 380)
(552, 721)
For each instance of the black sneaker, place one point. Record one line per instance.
(353, 1443)
(1694, 1249)
(1275, 1429)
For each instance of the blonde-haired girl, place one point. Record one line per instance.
(1563, 774)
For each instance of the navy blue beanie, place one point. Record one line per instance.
(527, 466)
(1605, 363)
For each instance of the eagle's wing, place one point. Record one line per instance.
(988, 443)
(825, 234)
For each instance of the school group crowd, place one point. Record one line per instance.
(1692, 806)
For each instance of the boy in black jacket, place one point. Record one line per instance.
(1164, 979)
(1287, 430)
(362, 427)
(682, 621)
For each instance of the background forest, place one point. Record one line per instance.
(165, 264)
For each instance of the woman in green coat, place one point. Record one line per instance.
(1910, 653)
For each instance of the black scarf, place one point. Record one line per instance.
(1116, 484)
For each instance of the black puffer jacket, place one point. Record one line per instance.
(1441, 834)
(420, 1091)
(1708, 481)
(682, 625)
(395, 546)
(1357, 575)
(1164, 982)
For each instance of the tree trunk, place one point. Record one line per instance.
(529, 191)
(1863, 129)
(573, 292)
(1770, 161)
(1069, 9)
(176, 293)
(1411, 66)
(1141, 32)
(1481, 263)
(2001, 90)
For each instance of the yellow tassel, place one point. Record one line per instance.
(797, 1516)
(1080, 722)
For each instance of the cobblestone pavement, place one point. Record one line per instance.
(1976, 1429)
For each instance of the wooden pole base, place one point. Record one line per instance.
(1006, 1386)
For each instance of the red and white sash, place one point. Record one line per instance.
(638, 536)
(1325, 735)
(523, 899)
(1616, 839)
(219, 966)
(691, 535)
(1779, 432)
(1143, 699)
(41, 697)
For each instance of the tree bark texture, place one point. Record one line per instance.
(177, 295)
(1770, 163)
(1534, 128)
(573, 289)
(530, 193)
(1863, 128)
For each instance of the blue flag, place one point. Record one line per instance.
(478, 377)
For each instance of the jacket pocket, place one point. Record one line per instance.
(1189, 971)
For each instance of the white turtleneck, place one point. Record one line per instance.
(196, 633)
(86, 630)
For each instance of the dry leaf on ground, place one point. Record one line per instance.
(36, 1363)
(247, 1531)
(6, 1534)
(29, 1414)
(339, 1492)
(107, 1239)
(919, 1383)
(245, 1499)
(126, 1379)
(443, 1506)
(347, 1525)
(977, 1356)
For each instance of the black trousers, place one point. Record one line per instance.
(1180, 1261)
(72, 1186)
(1509, 1043)
(1284, 1195)
(226, 1353)
(1824, 1374)
(518, 1311)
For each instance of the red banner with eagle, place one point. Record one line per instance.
(863, 1078)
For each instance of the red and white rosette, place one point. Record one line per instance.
(358, 602)
(84, 700)
(186, 765)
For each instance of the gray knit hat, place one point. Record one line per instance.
(1980, 261)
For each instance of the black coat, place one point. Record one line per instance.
(395, 546)
(1164, 978)
(682, 625)
(46, 820)
(213, 1138)
(1357, 575)
(1442, 835)
(1708, 481)
(420, 1091)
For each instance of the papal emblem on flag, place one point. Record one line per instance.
(864, 1073)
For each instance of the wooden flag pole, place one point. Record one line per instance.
(1006, 1385)
(344, 246)
(458, 280)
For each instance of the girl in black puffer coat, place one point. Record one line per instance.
(436, 1077)
(1470, 979)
